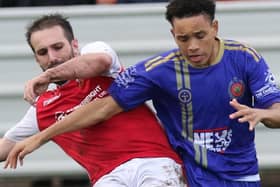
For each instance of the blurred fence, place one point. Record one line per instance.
(135, 32)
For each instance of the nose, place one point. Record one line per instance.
(52, 55)
(193, 45)
(53, 59)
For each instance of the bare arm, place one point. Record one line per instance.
(80, 67)
(90, 114)
(84, 66)
(5, 147)
(269, 117)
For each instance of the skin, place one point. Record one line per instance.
(6, 145)
(59, 60)
(269, 117)
(56, 50)
(52, 51)
(196, 38)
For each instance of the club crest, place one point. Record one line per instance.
(236, 88)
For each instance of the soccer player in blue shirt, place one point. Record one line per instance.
(209, 94)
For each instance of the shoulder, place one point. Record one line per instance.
(240, 50)
(163, 59)
(97, 46)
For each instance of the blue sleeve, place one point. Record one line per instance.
(132, 87)
(262, 84)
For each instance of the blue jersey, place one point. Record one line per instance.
(193, 105)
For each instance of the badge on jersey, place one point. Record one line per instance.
(236, 88)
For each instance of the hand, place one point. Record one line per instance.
(20, 150)
(246, 114)
(35, 87)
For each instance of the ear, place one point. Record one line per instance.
(215, 26)
(75, 46)
(172, 32)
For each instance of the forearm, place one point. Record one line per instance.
(5, 147)
(272, 116)
(85, 66)
(90, 114)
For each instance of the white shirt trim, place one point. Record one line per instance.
(26, 127)
(102, 47)
(250, 178)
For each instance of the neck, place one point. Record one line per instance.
(216, 48)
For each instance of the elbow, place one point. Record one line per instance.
(106, 62)
(272, 125)
(99, 62)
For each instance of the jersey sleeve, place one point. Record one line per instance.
(263, 84)
(132, 87)
(26, 127)
(102, 47)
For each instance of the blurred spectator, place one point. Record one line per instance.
(141, 1)
(24, 3)
(17, 3)
(106, 1)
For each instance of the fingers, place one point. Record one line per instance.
(34, 87)
(13, 157)
(252, 126)
(29, 94)
(244, 114)
(30, 100)
(21, 157)
(242, 110)
(10, 163)
(235, 104)
(20, 150)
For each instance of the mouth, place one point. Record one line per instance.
(195, 58)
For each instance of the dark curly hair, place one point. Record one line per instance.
(188, 8)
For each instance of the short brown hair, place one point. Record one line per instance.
(48, 21)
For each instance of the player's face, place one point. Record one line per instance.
(52, 48)
(196, 38)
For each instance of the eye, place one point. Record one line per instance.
(183, 38)
(42, 52)
(58, 46)
(200, 35)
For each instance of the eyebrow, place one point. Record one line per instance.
(182, 35)
(52, 45)
(41, 49)
(186, 35)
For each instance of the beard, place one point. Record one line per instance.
(57, 63)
